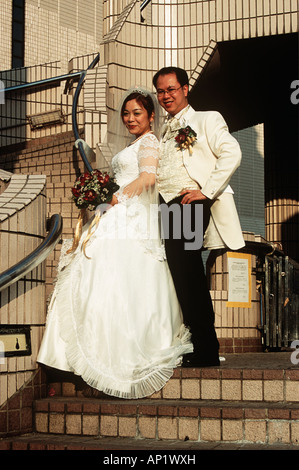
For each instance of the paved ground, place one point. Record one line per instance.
(264, 360)
(123, 446)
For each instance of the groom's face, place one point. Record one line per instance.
(171, 95)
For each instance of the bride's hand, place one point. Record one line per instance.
(143, 183)
(131, 190)
(114, 200)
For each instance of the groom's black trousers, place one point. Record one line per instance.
(190, 282)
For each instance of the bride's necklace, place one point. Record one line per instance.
(138, 138)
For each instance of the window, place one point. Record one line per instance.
(18, 33)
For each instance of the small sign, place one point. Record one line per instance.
(15, 340)
(239, 280)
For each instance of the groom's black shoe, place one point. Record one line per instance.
(192, 360)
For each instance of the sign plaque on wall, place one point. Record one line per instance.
(239, 280)
(15, 340)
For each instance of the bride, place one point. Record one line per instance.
(114, 318)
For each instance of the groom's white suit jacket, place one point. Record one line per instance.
(216, 155)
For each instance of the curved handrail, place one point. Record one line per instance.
(265, 248)
(144, 4)
(36, 257)
(74, 113)
(43, 82)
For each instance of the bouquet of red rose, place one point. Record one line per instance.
(89, 191)
(92, 189)
(186, 138)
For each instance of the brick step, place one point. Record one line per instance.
(149, 451)
(234, 384)
(170, 420)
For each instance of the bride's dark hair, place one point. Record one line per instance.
(117, 136)
(143, 99)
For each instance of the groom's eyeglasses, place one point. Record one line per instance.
(171, 91)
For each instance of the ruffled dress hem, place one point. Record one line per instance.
(142, 383)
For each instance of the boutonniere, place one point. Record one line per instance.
(186, 138)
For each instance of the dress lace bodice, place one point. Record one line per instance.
(142, 155)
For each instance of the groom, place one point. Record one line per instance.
(198, 175)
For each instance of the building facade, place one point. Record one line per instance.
(242, 60)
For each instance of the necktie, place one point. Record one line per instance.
(171, 126)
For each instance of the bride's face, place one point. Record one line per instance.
(135, 118)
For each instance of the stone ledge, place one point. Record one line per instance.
(21, 191)
(197, 420)
(255, 377)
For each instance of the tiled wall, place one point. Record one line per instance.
(20, 105)
(61, 29)
(22, 225)
(236, 327)
(16, 413)
(54, 30)
(22, 229)
(54, 162)
(5, 33)
(178, 33)
(56, 159)
(181, 33)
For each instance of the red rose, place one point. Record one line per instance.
(97, 173)
(90, 195)
(106, 179)
(85, 177)
(180, 138)
(76, 192)
(99, 176)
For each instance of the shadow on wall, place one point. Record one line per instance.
(248, 180)
(290, 237)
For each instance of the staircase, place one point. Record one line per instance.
(250, 401)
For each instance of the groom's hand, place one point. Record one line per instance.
(192, 195)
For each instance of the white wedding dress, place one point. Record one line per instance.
(114, 318)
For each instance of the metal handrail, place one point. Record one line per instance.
(74, 113)
(20, 269)
(144, 4)
(264, 248)
(36, 257)
(76, 75)
(38, 83)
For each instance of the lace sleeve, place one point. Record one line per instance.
(148, 154)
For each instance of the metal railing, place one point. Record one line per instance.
(40, 83)
(277, 278)
(144, 4)
(80, 76)
(74, 113)
(281, 300)
(36, 257)
(263, 248)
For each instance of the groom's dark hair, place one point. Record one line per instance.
(181, 75)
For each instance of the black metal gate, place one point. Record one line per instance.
(281, 301)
